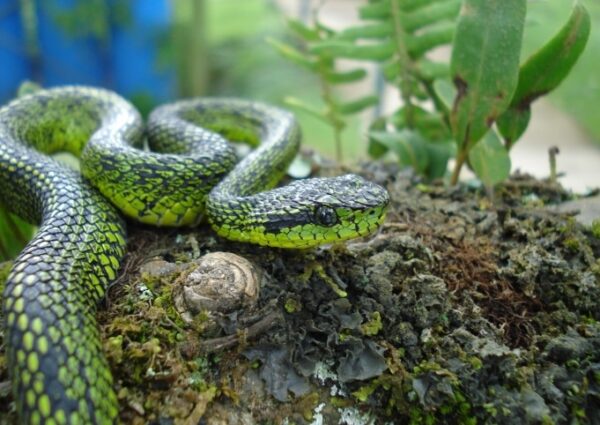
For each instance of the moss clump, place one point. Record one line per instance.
(572, 244)
(373, 326)
(595, 228)
(292, 305)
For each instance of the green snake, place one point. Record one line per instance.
(53, 347)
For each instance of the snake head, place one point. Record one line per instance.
(346, 207)
(312, 212)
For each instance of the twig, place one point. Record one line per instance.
(552, 152)
(218, 344)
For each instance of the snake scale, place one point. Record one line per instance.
(53, 347)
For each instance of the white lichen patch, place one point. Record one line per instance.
(352, 416)
(323, 372)
(145, 292)
(317, 415)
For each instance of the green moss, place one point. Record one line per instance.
(373, 326)
(596, 268)
(595, 228)
(547, 420)
(423, 188)
(426, 366)
(340, 402)
(201, 321)
(113, 347)
(572, 364)
(292, 305)
(363, 393)
(475, 362)
(572, 244)
(306, 405)
(198, 377)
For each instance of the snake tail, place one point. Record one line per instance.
(59, 372)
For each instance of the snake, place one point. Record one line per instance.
(179, 168)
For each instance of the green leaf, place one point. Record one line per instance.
(412, 5)
(303, 31)
(329, 32)
(391, 70)
(439, 153)
(440, 35)
(431, 70)
(293, 54)
(546, 68)
(408, 146)
(430, 124)
(348, 50)
(489, 160)
(304, 107)
(512, 124)
(543, 72)
(381, 30)
(375, 149)
(358, 105)
(346, 76)
(445, 91)
(430, 14)
(484, 65)
(375, 10)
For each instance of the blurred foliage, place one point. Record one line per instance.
(397, 36)
(579, 93)
(241, 64)
(493, 88)
(450, 108)
(324, 66)
(485, 73)
(232, 19)
(188, 47)
(543, 71)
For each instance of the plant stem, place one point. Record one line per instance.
(439, 105)
(404, 60)
(32, 49)
(191, 46)
(337, 138)
(460, 160)
(552, 152)
(332, 117)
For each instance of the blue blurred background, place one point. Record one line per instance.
(149, 51)
(115, 44)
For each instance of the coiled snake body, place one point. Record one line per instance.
(54, 352)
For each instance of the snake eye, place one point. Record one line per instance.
(326, 216)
